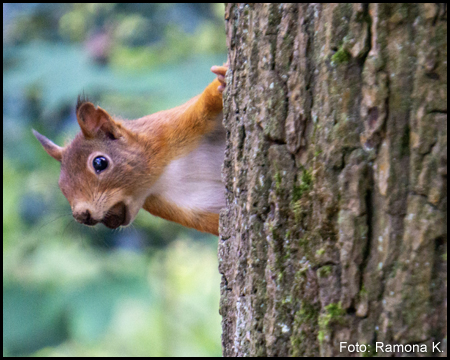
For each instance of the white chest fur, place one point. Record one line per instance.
(194, 181)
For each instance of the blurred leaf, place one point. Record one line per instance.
(70, 290)
(63, 71)
(31, 314)
(11, 194)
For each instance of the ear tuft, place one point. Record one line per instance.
(82, 98)
(51, 148)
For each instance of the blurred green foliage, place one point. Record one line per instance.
(151, 289)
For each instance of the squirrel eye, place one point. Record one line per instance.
(100, 163)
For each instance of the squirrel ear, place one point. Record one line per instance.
(52, 149)
(93, 120)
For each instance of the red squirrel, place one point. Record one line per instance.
(168, 163)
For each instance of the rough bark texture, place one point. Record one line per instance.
(336, 175)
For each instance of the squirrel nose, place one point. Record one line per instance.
(85, 218)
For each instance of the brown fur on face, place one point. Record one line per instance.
(169, 163)
(129, 171)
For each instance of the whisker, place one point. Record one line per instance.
(70, 221)
(51, 221)
(98, 238)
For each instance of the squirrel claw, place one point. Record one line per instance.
(220, 71)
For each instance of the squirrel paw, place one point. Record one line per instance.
(220, 71)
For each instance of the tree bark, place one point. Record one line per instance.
(335, 228)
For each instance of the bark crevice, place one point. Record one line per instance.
(336, 172)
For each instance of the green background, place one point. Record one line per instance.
(151, 289)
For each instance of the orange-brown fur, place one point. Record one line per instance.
(138, 153)
(202, 221)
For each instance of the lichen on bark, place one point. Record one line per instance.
(336, 177)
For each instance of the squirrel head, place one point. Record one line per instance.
(104, 170)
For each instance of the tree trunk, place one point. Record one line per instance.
(336, 173)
